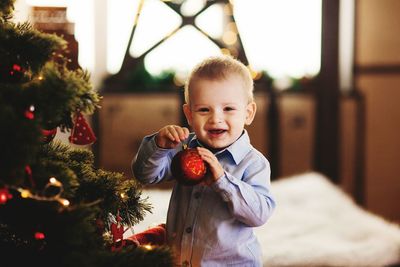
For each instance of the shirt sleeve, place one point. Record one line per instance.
(152, 163)
(248, 197)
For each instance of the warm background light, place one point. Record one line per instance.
(280, 37)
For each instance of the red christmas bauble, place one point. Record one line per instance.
(5, 195)
(39, 236)
(188, 167)
(48, 135)
(11, 73)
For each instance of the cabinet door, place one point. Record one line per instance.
(125, 119)
(296, 127)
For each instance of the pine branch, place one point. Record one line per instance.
(59, 93)
(24, 45)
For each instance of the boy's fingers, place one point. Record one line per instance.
(171, 137)
(173, 133)
(204, 151)
(186, 132)
(166, 134)
(183, 133)
(179, 133)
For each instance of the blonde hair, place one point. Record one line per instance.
(219, 68)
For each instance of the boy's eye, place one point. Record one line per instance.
(229, 108)
(202, 109)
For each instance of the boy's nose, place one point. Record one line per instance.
(216, 117)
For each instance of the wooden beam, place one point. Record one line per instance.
(327, 95)
(377, 69)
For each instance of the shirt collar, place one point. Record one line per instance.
(238, 150)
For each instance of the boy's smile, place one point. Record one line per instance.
(216, 132)
(219, 110)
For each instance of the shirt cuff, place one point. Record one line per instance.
(153, 149)
(222, 186)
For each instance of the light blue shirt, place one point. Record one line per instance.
(212, 225)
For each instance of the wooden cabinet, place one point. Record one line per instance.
(377, 75)
(124, 119)
(296, 133)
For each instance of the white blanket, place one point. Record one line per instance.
(314, 224)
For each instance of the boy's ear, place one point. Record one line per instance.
(250, 112)
(188, 113)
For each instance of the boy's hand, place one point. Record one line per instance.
(215, 167)
(171, 135)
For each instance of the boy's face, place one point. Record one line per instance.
(218, 111)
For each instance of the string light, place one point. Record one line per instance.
(53, 182)
(39, 236)
(256, 75)
(225, 51)
(3, 198)
(228, 10)
(25, 193)
(4, 195)
(229, 37)
(64, 202)
(232, 26)
(148, 247)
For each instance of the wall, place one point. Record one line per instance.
(377, 65)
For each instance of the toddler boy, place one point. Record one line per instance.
(210, 224)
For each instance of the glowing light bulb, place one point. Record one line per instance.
(25, 193)
(148, 247)
(39, 236)
(65, 202)
(225, 51)
(229, 37)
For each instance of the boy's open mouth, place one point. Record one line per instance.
(216, 132)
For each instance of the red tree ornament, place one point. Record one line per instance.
(29, 112)
(11, 73)
(4, 195)
(188, 167)
(81, 133)
(39, 236)
(117, 232)
(48, 135)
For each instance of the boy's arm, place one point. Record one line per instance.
(153, 160)
(152, 163)
(249, 199)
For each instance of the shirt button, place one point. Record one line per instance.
(197, 195)
(188, 230)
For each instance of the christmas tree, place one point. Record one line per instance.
(56, 208)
